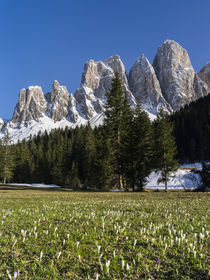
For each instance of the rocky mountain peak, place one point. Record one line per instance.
(58, 101)
(144, 62)
(170, 55)
(116, 64)
(1, 123)
(178, 80)
(31, 105)
(56, 85)
(73, 115)
(145, 86)
(96, 82)
(169, 83)
(204, 74)
(93, 71)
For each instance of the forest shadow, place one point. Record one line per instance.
(26, 188)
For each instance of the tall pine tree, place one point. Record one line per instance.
(114, 122)
(165, 148)
(137, 149)
(7, 158)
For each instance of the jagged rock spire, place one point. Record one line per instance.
(31, 106)
(145, 86)
(178, 81)
(204, 74)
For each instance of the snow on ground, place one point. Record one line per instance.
(35, 185)
(195, 165)
(181, 179)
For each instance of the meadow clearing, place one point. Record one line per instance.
(59, 234)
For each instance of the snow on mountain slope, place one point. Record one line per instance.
(1, 123)
(169, 83)
(21, 132)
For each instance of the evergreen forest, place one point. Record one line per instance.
(121, 153)
(191, 131)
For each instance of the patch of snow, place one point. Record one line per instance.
(181, 179)
(151, 116)
(35, 185)
(192, 165)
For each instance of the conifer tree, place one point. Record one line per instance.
(89, 155)
(114, 125)
(205, 173)
(6, 158)
(23, 163)
(73, 177)
(57, 169)
(102, 170)
(137, 149)
(205, 176)
(165, 148)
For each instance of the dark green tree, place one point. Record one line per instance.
(6, 158)
(89, 155)
(114, 121)
(205, 173)
(137, 149)
(74, 180)
(190, 131)
(205, 176)
(165, 148)
(102, 170)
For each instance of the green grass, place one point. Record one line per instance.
(71, 235)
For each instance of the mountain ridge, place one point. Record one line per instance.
(169, 83)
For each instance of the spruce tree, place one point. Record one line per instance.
(126, 156)
(165, 148)
(6, 158)
(137, 149)
(102, 170)
(205, 176)
(114, 125)
(89, 155)
(74, 180)
(205, 173)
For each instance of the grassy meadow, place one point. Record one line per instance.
(59, 234)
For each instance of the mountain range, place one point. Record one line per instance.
(169, 83)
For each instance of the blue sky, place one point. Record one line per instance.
(44, 40)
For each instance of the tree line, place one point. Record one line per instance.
(119, 154)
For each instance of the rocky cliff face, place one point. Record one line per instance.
(145, 86)
(1, 123)
(58, 102)
(178, 81)
(73, 115)
(31, 106)
(204, 74)
(169, 83)
(96, 82)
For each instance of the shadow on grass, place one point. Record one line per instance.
(26, 188)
